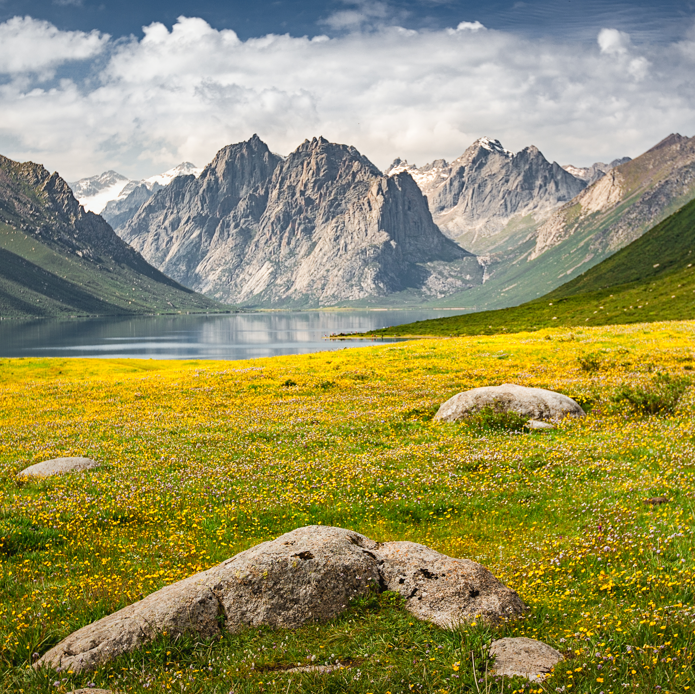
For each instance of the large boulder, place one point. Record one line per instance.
(443, 590)
(524, 657)
(58, 466)
(536, 403)
(309, 574)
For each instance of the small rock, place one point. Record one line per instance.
(309, 574)
(324, 669)
(536, 403)
(526, 657)
(537, 425)
(92, 691)
(58, 466)
(656, 501)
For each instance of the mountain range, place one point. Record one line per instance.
(116, 198)
(324, 227)
(651, 279)
(489, 193)
(320, 227)
(57, 259)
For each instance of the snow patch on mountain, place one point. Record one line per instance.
(95, 192)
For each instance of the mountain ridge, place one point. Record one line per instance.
(59, 259)
(318, 227)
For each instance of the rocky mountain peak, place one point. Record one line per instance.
(319, 227)
(672, 140)
(491, 145)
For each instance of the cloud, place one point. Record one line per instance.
(613, 42)
(31, 45)
(363, 15)
(180, 93)
(68, 3)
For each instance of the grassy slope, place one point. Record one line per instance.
(38, 280)
(652, 279)
(189, 479)
(522, 280)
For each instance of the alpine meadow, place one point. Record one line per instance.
(347, 347)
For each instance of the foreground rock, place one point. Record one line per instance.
(536, 403)
(443, 590)
(58, 466)
(525, 657)
(309, 574)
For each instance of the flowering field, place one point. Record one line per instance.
(201, 460)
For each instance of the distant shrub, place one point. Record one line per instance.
(289, 383)
(493, 419)
(661, 395)
(591, 362)
(422, 414)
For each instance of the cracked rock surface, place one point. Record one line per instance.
(537, 403)
(308, 574)
(526, 657)
(444, 590)
(58, 466)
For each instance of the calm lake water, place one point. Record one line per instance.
(237, 336)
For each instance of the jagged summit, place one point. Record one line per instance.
(480, 193)
(492, 145)
(321, 226)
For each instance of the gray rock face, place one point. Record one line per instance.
(308, 574)
(133, 197)
(322, 226)
(591, 174)
(537, 403)
(444, 590)
(58, 466)
(475, 197)
(525, 657)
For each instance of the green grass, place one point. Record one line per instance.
(652, 279)
(205, 459)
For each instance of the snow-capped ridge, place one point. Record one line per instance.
(96, 192)
(492, 145)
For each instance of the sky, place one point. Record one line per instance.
(140, 86)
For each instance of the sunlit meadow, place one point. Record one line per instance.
(201, 460)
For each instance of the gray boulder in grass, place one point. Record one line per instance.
(536, 403)
(309, 574)
(58, 466)
(444, 590)
(524, 657)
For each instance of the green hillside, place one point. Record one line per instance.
(652, 279)
(58, 260)
(607, 216)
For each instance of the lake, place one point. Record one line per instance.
(235, 336)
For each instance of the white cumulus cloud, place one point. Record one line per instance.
(180, 93)
(31, 45)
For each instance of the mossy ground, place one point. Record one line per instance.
(204, 459)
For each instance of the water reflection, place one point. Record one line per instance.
(237, 336)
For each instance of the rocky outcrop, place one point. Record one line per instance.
(320, 227)
(58, 466)
(524, 657)
(536, 403)
(476, 196)
(309, 574)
